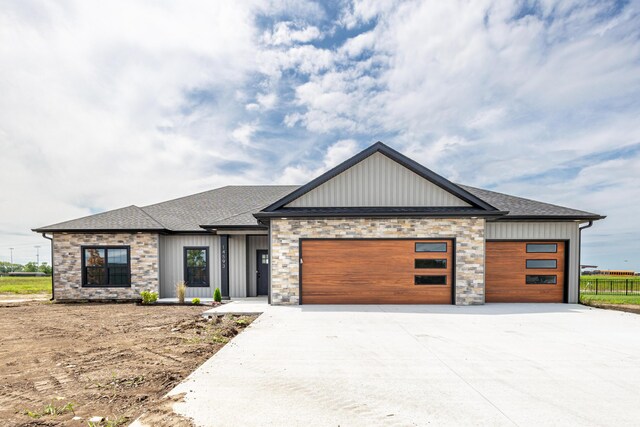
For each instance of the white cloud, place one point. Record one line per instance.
(335, 154)
(287, 33)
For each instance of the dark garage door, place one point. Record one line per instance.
(370, 271)
(525, 271)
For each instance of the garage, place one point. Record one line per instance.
(376, 271)
(525, 271)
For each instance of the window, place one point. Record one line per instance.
(431, 247)
(542, 247)
(106, 266)
(430, 280)
(431, 263)
(541, 280)
(264, 258)
(542, 263)
(196, 266)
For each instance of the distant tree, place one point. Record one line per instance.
(7, 267)
(45, 268)
(30, 267)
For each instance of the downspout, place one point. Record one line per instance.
(589, 224)
(53, 289)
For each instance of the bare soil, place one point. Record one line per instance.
(108, 360)
(629, 308)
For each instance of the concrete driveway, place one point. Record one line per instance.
(525, 364)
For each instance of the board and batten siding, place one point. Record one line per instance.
(377, 181)
(253, 244)
(544, 231)
(172, 263)
(238, 266)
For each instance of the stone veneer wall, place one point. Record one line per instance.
(67, 262)
(469, 234)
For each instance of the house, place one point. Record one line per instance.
(378, 228)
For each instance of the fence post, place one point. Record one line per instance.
(596, 286)
(626, 287)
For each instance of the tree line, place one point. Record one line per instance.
(30, 267)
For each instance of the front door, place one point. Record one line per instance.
(262, 271)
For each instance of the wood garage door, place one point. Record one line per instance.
(525, 271)
(349, 271)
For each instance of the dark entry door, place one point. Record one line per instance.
(262, 271)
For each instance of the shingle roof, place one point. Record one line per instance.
(231, 205)
(235, 206)
(129, 218)
(215, 207)
(521, 207)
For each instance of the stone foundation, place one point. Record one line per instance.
(67, 262)
(468, 232)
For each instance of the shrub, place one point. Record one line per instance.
(149, 297)
(181, 290)
(195, 301)
(217, 295)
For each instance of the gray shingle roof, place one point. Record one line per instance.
(129, 218)
(235, 206)
(518, 206)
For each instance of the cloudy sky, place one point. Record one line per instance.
(108, 104)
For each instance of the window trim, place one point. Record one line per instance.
(106, 268)
(207, 266)
(555, 279)
(415, 278)
(555, 267)
(555, 251)
(446, 247)
(415, 261)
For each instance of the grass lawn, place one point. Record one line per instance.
(25, 285)
(611, 299)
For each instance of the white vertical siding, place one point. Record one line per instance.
(172, 263)
(377, 181)
(544, 231)
(253, 244)
(237, 266)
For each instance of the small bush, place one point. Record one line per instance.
(181, 290)
(148, 297)
(217, 295)
(195, 301)
(243, 321)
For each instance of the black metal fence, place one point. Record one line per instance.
(605, 286)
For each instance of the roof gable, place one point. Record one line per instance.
(380, 177)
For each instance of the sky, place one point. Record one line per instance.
(109, 104)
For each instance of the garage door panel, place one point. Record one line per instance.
(506, 273)
(344, 271)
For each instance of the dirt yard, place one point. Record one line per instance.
(108, 360)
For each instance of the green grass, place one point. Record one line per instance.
(600, 276)
(611, 299)
(25, 285)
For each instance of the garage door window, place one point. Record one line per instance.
(542, 263)
(541, 280)
(431, 280)
(431, 247)
(431, 263)
(542, 248)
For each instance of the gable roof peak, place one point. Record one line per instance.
(412, 165)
